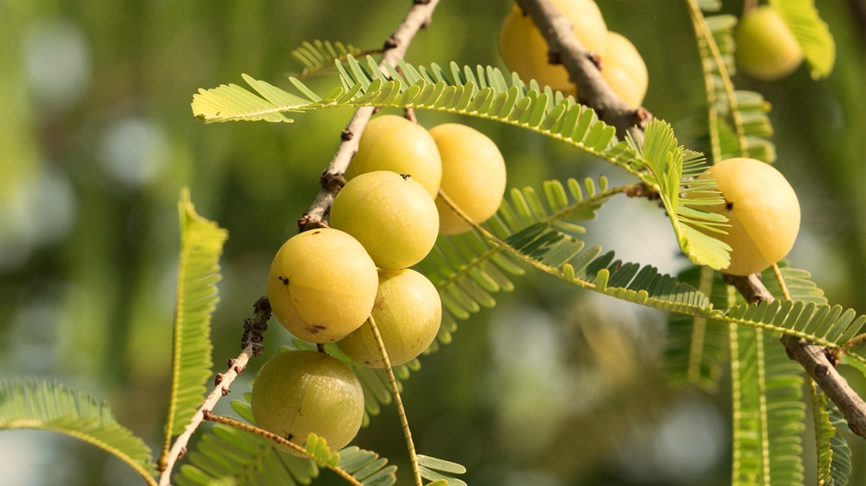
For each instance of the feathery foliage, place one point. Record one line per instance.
(542, 248)
(811, 33)
(434, 469)
(684, 194)
(834, 455)
(467, 269)
(485, 93)
(41, 405)
(738, 122)
(830, 326)
(696, 348)
(768, 411)
(318, 56)
(198, 272)
(840, 468)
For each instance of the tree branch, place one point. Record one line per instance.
(592, 89)
(814, 359)
(332, 181)
(253, 329)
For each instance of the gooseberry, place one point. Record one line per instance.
(624, 70)
(396, 144)
(762, 210)
(473, 176)
(322, 285)
(407, 312)
(299, 392)
(392, 216)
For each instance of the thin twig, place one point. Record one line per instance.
(252, 347)
(592, 89)
(812, 357)
(210, 417)
(398, 402)
(419, 17)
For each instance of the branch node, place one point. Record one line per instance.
(225, 391)
(642, 117)
(347, 135)
(391, 43)
(595, 59)
(218, 379)
(554, 58)
(332, 182)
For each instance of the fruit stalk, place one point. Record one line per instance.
(210, 417)
(419, 17)
(398, 402)
(592, 89)
(812, 357)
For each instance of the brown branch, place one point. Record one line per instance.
(592, 89)
(332, 181)
(222, 381)
(814, 359)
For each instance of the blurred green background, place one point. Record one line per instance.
(554, 386)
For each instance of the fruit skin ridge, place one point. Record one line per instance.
(762, 209)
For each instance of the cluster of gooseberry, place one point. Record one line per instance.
(525, 51)
(328, 284)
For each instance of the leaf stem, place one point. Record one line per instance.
(210, 417)
(398, 402)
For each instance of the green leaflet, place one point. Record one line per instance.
(320, 55)
(737, 120)
(768, 411)
(674, 171)
(482, 92)
(485, 93)
(834, 455)
(840, 468)
(830, 326)
(811, 33)
(434, 469)
(696, 348)
(626, 281)
(468, 270)
(198, 272)
(41, 405)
